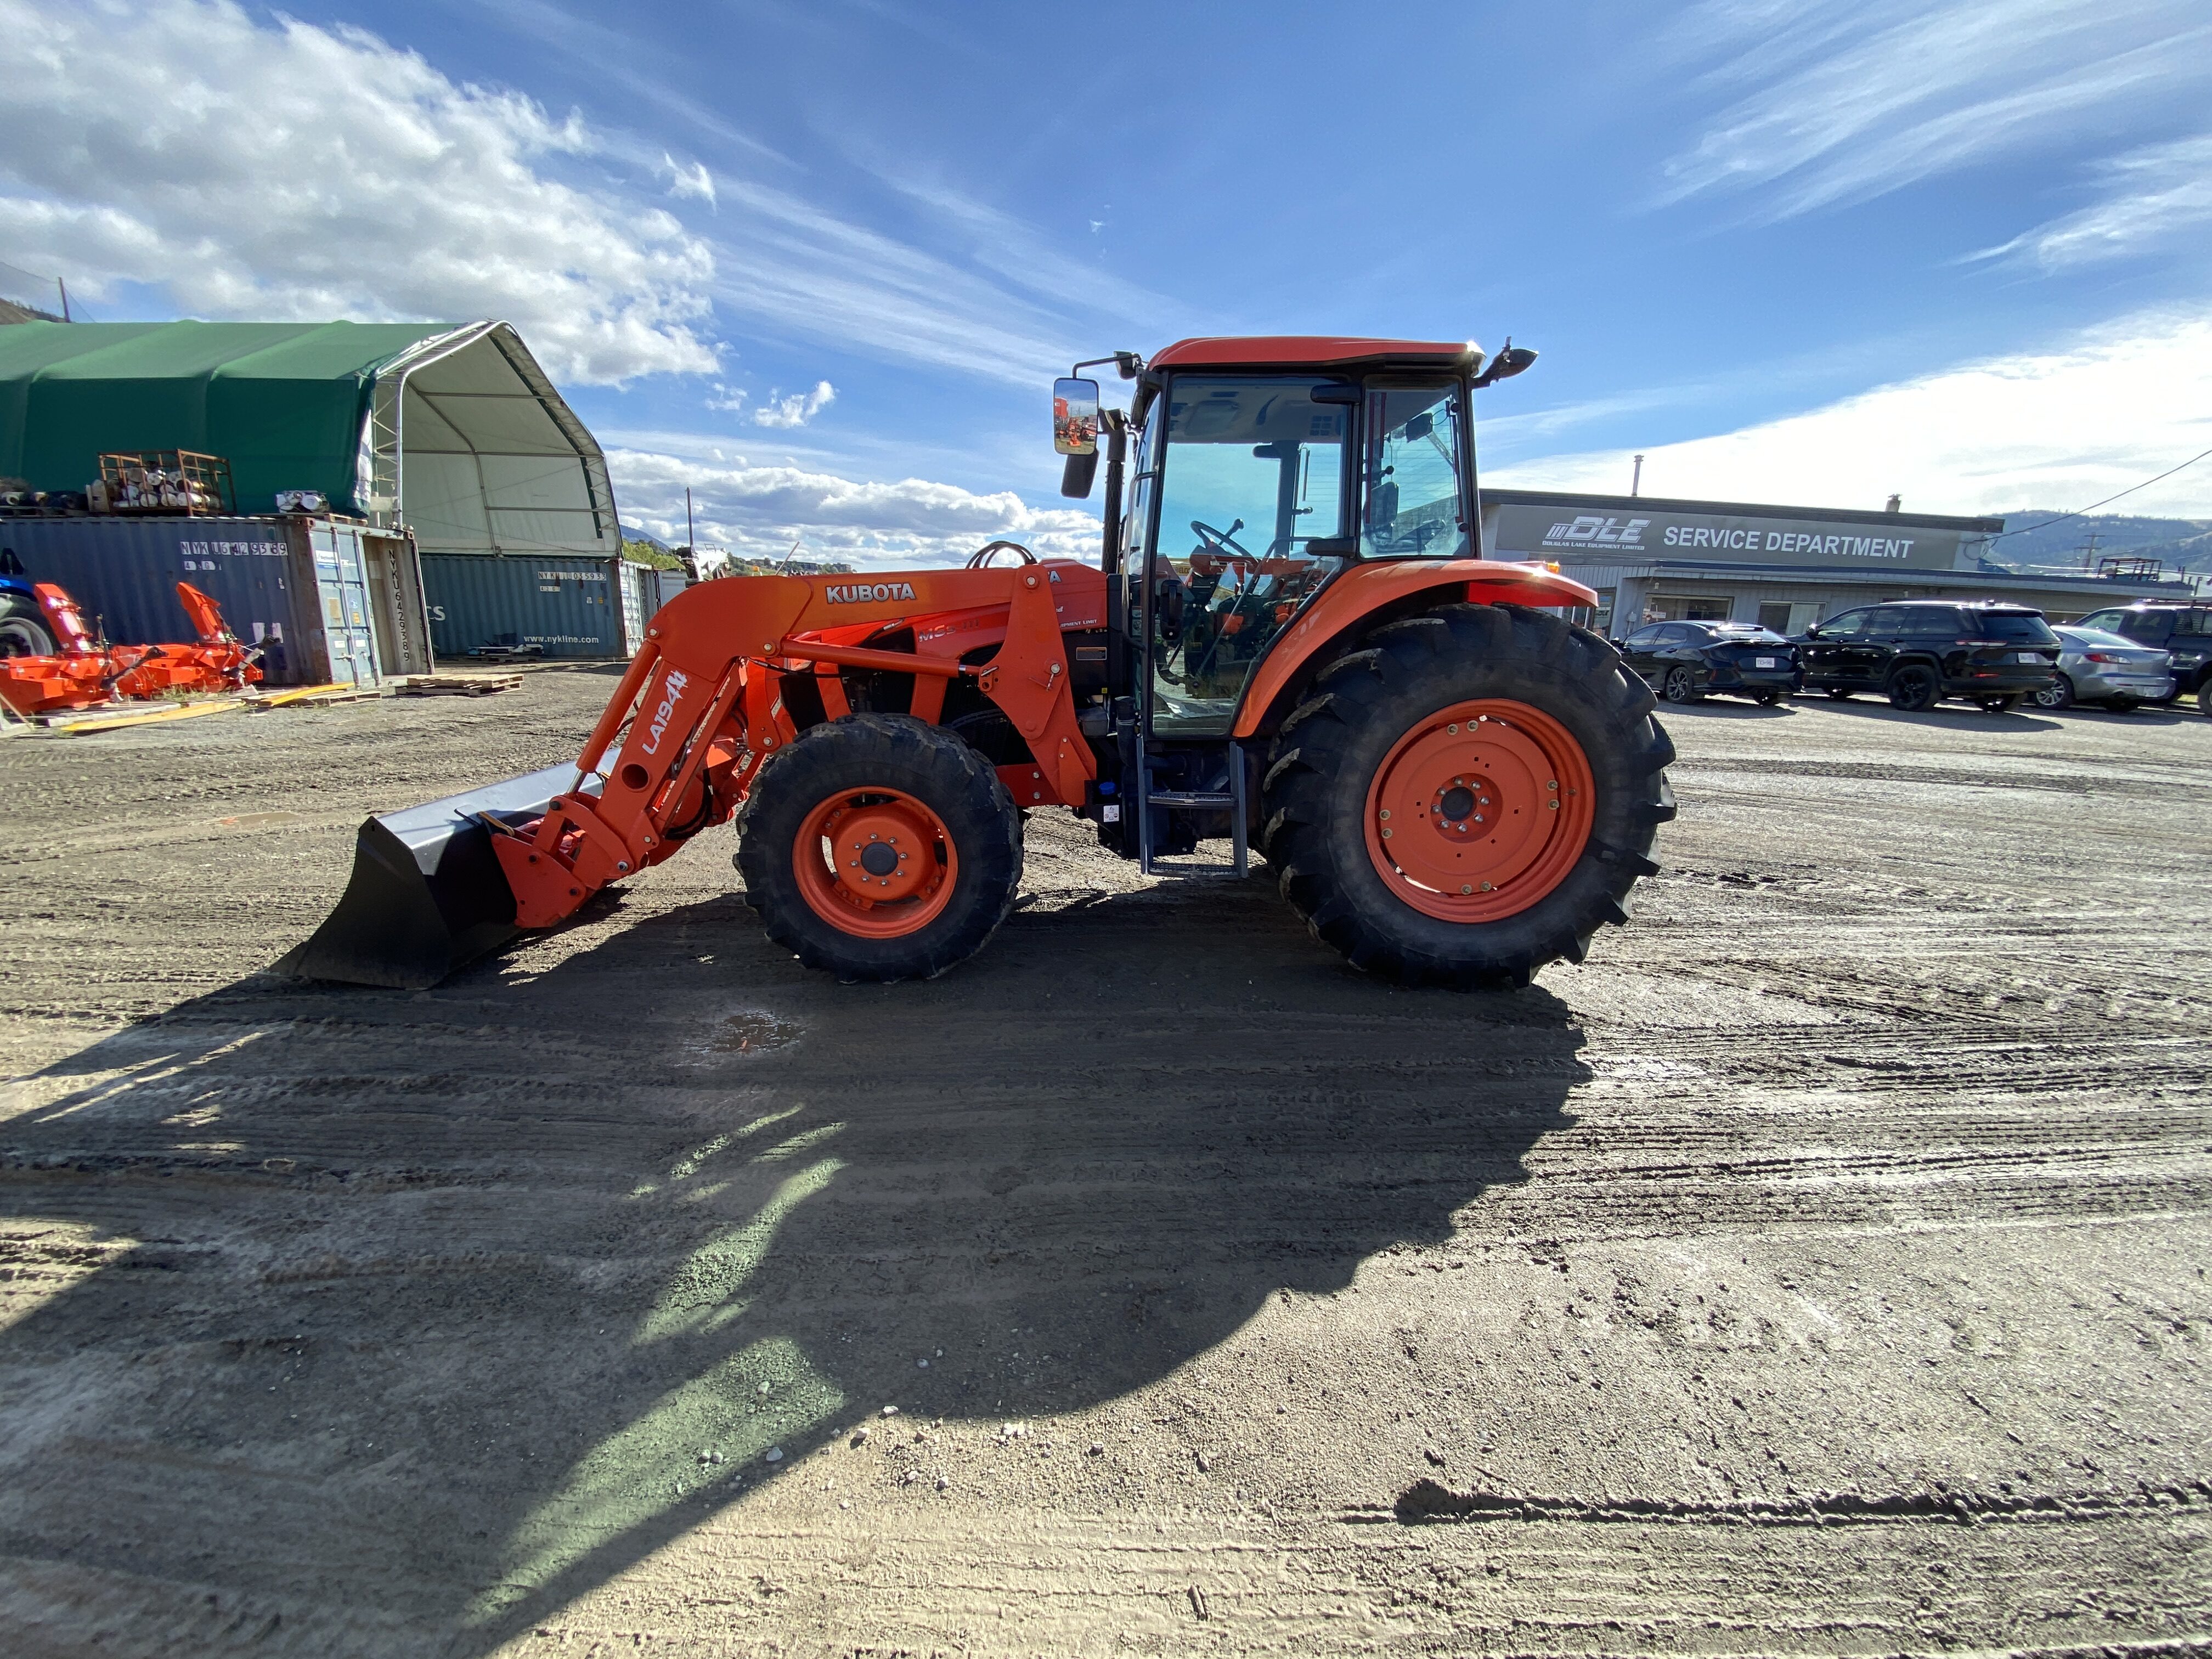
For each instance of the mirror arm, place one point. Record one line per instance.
(1117, 452)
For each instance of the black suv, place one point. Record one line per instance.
(2183, 631)
(1919, 650)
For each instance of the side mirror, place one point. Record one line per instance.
(1075, 418)
(1076, 474)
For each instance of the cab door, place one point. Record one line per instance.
(1253, 482)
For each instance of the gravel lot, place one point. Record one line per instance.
(1819, 1269)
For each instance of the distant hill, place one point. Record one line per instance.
(2182, 543)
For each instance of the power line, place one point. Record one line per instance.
(2107, 501)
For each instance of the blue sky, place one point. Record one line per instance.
(820, 259)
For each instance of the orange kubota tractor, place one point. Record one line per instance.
(1291, 641)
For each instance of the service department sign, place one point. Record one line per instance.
(1524, 530)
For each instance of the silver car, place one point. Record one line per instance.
(2095, 666)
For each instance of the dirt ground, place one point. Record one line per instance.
(1819, 1269)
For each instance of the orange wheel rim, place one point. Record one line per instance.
(876, 863)
(1479, 811)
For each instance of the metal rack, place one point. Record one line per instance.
(172, 481)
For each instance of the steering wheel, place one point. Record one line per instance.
(982, 556)
(1220, 541)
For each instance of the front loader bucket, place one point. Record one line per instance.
(427, 893)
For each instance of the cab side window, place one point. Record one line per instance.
(1410, 468)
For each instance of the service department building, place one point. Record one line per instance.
(1654, 559)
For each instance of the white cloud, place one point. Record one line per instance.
(730, 399)
(1839, 101)
(290, 171)
(798, 408)
(2153, 196)
(693, 180)
(2058, 428)
(759, 511)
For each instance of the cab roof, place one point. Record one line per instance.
(1315, 350)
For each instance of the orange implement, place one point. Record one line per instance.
(87, 672)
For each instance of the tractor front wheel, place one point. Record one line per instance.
(879, 846)
(1467, 796)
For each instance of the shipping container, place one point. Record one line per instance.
(327, 601)
(550, 605)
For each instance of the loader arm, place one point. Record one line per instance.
(700, 710)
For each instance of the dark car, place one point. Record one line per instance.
(2183, 631)
(1918, 651)
(1683, 660)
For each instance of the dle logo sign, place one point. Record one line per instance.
(1591, 530)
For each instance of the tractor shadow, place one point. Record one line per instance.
(398, 1323)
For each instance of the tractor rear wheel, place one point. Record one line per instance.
(24, 630)
(1468, 795)
(879, 846)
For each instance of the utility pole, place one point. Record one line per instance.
(1635, 478)
(689, 540)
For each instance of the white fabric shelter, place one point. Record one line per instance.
(468, 444)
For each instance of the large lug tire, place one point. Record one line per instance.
(24, 630)
(927, 848)
(2058, 695)
(1519, 756)
(1914, 688)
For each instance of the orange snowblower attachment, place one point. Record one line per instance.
(88, 671)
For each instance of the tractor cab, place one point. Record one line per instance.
(1245, 477)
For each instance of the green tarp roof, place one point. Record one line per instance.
(283, 402)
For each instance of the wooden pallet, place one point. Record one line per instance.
(455, 685)
(317, 696)
(336, 691)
